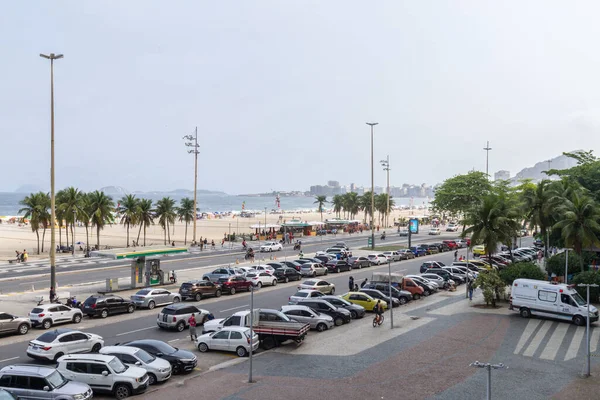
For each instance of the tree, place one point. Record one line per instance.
(586, 172)
(492, 286)
(537, 207)
(338, 204)
(381, 206)
(320, 201)
(578, 222)
(33, 211)
(460, 194)
(45, 215)
(351, 204)
(101, 208)
(70, 206)
(128, 209)
(556, 264)
(165, 212)
(145, 217)
(186, 213)
(523, 270)
(364, 203)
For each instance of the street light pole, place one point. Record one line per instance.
(489, 368)
(487, 149)
(566, 265)
(73, 238)
(52, 57)
(386, 167)
(587, 327)
(391, 298)
(193, 142)
(251, 330)
(372, 124)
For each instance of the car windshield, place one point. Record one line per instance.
(143, 292)
(301, 294)
(578, 299)
(169, 311)
(144, 356)
(160, 347)
(37, 310)
(310, 283)
(56, 380)
(47, 337)
(117, 366)
(250, 275)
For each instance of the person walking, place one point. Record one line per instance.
(470, 291)
(455, 255)
(192, 324)
(362, 285)
(351, 283)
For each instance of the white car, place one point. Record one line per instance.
(54, 344)
(435, 231)
(452, 227)
(304, 294)
(271, 246)
(392, 255)
(247, 270)
(317, 284)
(231, 338)
(158, 369)
(260, 279)
(46, 315)
(377, 258)
(264, 268)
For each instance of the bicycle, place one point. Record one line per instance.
(376, 323)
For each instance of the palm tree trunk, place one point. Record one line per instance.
(98, 237)
(43, 238)
(144, 235)
(67, 233)
(59, 234)
(128, 234)
(139, 231)
(168, 232)
(37, 233)
(185, 237)
(87, 236)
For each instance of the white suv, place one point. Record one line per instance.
(158, 369)
(54, 344)
(46, 315)
(104, 374)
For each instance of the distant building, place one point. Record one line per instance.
(502, 175)
(333, 183)
(352, 187)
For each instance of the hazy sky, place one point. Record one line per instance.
(281, 90)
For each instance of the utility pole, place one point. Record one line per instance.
(587, 327)
(372, 124)
(566, 265)
(489, 368)
(52, 57)
(386, 167)
(193, 142)
(487, 149)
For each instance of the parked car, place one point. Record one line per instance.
(287, 274)
(362, 299)
(175, 316)
(447, 275)
(406, 254)
(442, 247)
(376, 294)
(221, 273)
(275, 265)
(150, 298)
(435, 231)
(461, 243)
(180, 360)
(403, 296)
(271, 246)
(451, 244)
(342, 245)
(304, 294)
(47, 315)
(359, 262)
(302, 313)
(430, 264)
(158, 370)
(325, 258)
(452, 227)
(418, 251)
(429, 287)
(231, 338)
(234, 284)
(28, 381)
(403, 232)
(104, 306)
(338, 266)
(264, 268)
(292, 264)
(199, 289)
(10, 323)
(377, 259)
(440, 280)
(340, 315)
(459, 272)
(52, 345)
(313, 269)
(260, 279)
(479, 250)
(392, 255)
(104, 374)
(356, 311)
(318, 284)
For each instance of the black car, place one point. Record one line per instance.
(292, 264)
(442, 247)
(180, 360)
(377, 294)
(430, 264)
(323, 258)
(104, 306)
(446, 275)
(340, 315)
(356, 311)
(384, 287)
(338, 266)
(287, 274)
(359, 262)
(275, 265)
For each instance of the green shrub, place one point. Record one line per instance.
(588, 277)
(524, 270)
(492, 286)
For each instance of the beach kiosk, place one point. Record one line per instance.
(145, 264)
(298, 228)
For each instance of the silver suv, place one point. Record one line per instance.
(12, 324)
(40, 382)
(175, 316)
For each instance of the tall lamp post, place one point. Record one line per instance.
(73, 238)
(386, 167)
(52, 57)
(489, 368)
(487, 149)
(372, 124)
(587, 327)
(192, 141)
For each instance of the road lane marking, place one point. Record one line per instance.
(234, 308)
(8, 359)
(537, 339)
(555, 341)
(575, 343)
(172, 340)
(533, 323)
(136, 330)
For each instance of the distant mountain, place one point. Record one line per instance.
(30, 189)
(180, 192)
(536, 173)
(114, 191)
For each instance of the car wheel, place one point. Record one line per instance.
(426, 293)
(96, 348)
(77, 318)
(130, 309)
(47, 324)
(218, 293)
(525, 313)
(268, 343)
(321, 327)
(416, 296)
(57, 356)
(198, 297)
(579, 320)
(286, 280)
(332, 291)
(202, 347)
(122, 391)
(274, 283)
(326, 271)
(180, 326)
(232, 290)
(314, 273)
(339, 321)
(402, 300)
(151, 379)
(23, 329)
(176, 369)
(151, 305)
(270, 250)
(259, 285)
(104, 313)
(359, 266)
(241, 351)
(176, 299)
(353, 314)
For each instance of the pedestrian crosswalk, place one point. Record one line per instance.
(554, 340)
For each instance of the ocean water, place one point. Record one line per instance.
(9, 202)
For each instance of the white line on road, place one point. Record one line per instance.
(172, 340)
(234, 308)
(575, 343)
(8, 359)
(531, 325)
(137, 330)
(537, 339)
(555, 341)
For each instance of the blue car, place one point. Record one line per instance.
(418, 251)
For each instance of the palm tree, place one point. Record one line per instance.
(59, 214)
(364, 202)
(101, 207)
(145, 217)
(536, 203)
(320, 200)
(578, 221)
(186, 213)
(70, 206)
(165, 212)
(84, 216)
(381, 205)
(128, 209)
(351, 204)
(338, 204)
(33, 210)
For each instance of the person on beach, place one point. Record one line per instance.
(173, 244)
(192, 324)
(455, 255)
(222, 243)
(212, 244)
(18, 256)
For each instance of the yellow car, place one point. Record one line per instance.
(479, 250)
(362, 299)
(481, 264)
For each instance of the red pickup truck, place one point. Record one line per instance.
(233, 284)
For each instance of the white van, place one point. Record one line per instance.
(531, 297)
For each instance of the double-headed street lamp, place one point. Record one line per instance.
(372, 124)
(52, 57)
(193, 143)
(386, 167)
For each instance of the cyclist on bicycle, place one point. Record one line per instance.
(378, 309)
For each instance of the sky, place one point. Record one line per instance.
(281, 91)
